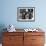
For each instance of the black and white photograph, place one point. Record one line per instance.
(26, 14)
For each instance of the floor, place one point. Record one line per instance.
(0, 44)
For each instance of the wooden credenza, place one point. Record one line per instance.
(23, 39)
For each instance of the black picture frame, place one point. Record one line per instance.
(26, 14)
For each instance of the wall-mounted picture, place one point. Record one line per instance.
(26, 14)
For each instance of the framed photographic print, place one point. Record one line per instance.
(26, 14)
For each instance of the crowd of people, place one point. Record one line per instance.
(26, 13)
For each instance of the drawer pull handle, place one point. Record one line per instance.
(33, 39)
(10, 38)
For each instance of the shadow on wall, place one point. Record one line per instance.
(2, 26)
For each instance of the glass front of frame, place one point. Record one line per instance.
(26, 14)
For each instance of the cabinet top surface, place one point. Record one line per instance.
(22, 30)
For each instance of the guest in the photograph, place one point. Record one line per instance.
(30, 12)
(22, 11)
(23, 15)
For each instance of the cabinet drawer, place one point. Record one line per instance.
(34, 33)
(8, 44)
(37, 44)
(12, 39)
(37, 39)
(13, 33)
(12, 44)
